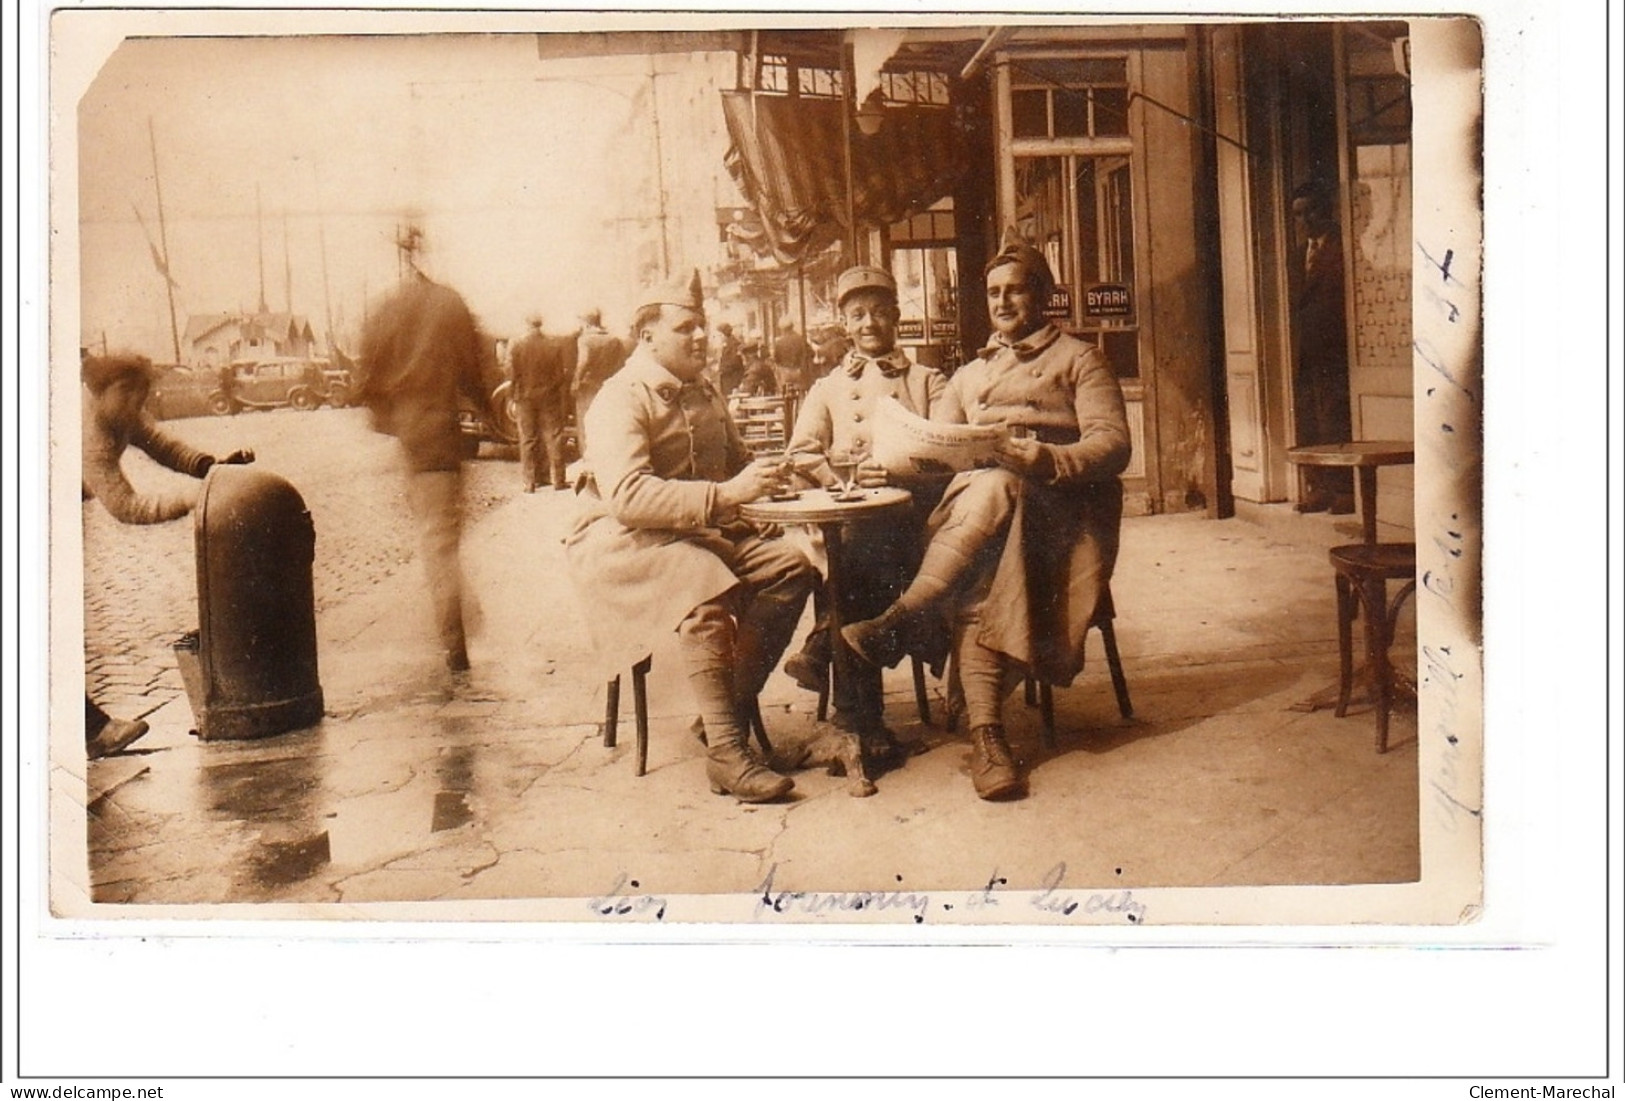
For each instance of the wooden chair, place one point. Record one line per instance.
(1363, 571)
(1042, 695)
(640, 714)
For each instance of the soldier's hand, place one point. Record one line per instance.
(870, 474)
(240, 457)
(762, 478)
(1026, 457)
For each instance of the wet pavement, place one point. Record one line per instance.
(140, 592)
(419, 786)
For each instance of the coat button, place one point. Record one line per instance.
(857, 416)
(856, 396)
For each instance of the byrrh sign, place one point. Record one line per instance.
(1107, 300)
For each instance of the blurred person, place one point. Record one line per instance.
(542, 367)
(116, 388)
(598, 356)
(660, 546)
(730, 360)
(792, 359)
(831, 348)
(837, 419)
(114, 399)
(420, 350)
(1019, 554)
(759, 380)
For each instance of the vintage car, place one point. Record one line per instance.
(268, 384)
(501, 427)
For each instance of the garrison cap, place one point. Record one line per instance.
(863, 278)
(683, 292)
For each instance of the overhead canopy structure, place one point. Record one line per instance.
(796, 152)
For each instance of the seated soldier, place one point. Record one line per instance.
(660, 545)
(1019, 553)
(837, 421)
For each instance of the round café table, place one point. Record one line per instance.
(1365, 456)
(831, 513)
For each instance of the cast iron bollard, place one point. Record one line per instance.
(251, 671)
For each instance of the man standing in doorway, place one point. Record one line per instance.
(1320, 383)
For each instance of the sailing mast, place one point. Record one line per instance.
(259, 234)
(287, 267)
(163, 243)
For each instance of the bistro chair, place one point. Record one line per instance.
(1363, 571)
(640, 714)
(1041, 694)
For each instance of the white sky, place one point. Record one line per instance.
(535, 181)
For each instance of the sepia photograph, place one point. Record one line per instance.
(966, 471)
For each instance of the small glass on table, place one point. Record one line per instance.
(845, 464)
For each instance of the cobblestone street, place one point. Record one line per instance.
(140, 582)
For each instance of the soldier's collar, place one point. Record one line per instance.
(1025, 348)
(664, 385)
(892, 364)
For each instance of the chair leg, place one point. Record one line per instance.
(823, 694)
(1345, 643)
(921, 701)
(1114, 663)
(758, 728)
(1046, 708)
(640, 709)
(612, 710)
(1374, 595)
(1029, 690)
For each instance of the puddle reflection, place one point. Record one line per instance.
(278, 803)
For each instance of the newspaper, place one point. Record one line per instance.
(907, 444)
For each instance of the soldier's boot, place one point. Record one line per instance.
(993, 769)
(734, 770)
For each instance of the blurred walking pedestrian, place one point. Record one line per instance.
(420, 351)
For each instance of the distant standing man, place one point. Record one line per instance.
(542, 368)
(598, 355)
(792, 359)
(420, 351)
(1320, 386)
(730, 361)
(660, 546)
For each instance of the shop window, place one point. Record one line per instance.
(1072, 98)
(1029, 112)
(819, 82)
(773, 74)
(1079, 211)
(928, 303)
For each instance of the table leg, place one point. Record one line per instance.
(1368, 503)
(840, 655)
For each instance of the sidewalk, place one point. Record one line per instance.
(416, 788)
